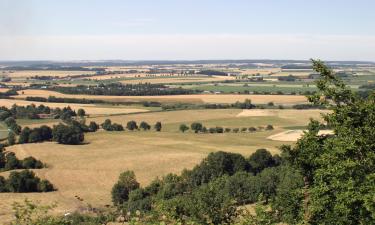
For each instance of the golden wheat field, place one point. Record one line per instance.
(90, 170)
(199, 98)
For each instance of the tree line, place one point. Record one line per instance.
(197, 127)
(118, 89)
(131, 126)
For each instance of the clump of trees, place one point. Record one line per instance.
(67, 134)
(38, 134)
(9, 161)
(24, 181)
(109, 126)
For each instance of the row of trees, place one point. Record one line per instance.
(199, 128)
(131, 126)
(118, 89)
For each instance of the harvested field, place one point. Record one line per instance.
(200, 98)
(293, 135)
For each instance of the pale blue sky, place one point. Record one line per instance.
(190, 29)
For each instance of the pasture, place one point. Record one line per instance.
(90, 170)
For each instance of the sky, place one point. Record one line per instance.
(187, 29)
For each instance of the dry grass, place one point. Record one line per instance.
(201, 98)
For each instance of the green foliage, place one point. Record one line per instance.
(338, 169)
(196, 127)
(260, 160)
(144, 125)
(26, 181)
(126, 183)
(31, 163)
(183, 128)
(11, 138)
(131, 125)
(67, 134)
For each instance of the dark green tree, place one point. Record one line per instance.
(338, 169)
(183, 128)
(157, 126)
(196, 127)
(132, 125)
(145, 126)
(120, 192)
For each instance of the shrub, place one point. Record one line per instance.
(243, 129)
(269, 127)
(235, 130)
(227, 130)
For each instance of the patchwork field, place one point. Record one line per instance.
(90, 170)
(199, 98)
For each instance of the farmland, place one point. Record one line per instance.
(84, 174)
(90, 170)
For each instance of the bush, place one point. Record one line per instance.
(236, 130)
(243, 129)
(269, 127)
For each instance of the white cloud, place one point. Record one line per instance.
(221, 46)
